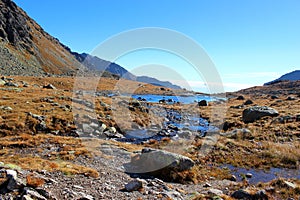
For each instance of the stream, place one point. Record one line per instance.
(260, 175)
(176, 124)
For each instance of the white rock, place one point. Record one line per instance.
(11, 173)
(290, 184)
(35, 195)
(26, 197)
(214, 192)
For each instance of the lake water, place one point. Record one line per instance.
(171, 99)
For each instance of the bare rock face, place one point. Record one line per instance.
(13, 26)
(26, 49)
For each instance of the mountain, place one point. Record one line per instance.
(292, 76)
(98, 64)
(153, 81)
(26, 49)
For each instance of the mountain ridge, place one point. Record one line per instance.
(96, 63)
(291, 76)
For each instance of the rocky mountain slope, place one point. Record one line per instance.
(95, 63)
(26, 49)
(292, 76)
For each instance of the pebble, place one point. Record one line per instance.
(232, 178)
(207, 184)
(134, 185)
(214, 192)
(249, 175)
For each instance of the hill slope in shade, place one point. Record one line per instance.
(153, 81)
(292, 76)
(95, 63)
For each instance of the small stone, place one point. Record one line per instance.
(43, 192)
(2, 82)
(291, 98)
(49, 86)
(289, 184)
(11, 174)
(11, 84)
(85, 196)
(13, 181)
(240, 97)
(26, 197)
(241, 194)
(274, 97)
(248, 175)
(261, 194)
(34, 194)
(232, 178)
(87, 128)
(202, 103)
(77, 187)
(270, 189)
(112, 130)
(7, 108)
(248, 102)
(214, 192)
(94, 125)
(207, 184)
(134, 185)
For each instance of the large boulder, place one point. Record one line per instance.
(256, 112)
(153, 160)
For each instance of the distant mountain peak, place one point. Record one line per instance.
(291, 76)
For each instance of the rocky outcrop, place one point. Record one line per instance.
(256, 112)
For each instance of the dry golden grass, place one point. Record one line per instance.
(58, 161)
(38, 164)
(34, 181)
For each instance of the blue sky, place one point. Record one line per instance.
(249, 41)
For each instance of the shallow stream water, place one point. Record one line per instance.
(260, 175)
(176, 124)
